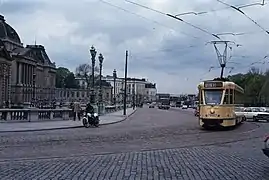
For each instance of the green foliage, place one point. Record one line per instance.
(65, 78)
(255, 84)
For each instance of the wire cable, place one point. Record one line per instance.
(145, 18)
(240, 11)
(220, 9)
(172, 16)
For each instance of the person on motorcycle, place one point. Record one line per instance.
(89, 108)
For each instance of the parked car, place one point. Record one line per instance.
(184, 107)
(254, 113)
(151, 106)
(266, 146)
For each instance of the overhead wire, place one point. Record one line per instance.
(145, 18)
(220, 9)
(238, 34)
(260, 61)
(174, 17)
(242, 12)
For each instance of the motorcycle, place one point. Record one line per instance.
(90, 119)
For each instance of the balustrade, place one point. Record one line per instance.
(31, 115)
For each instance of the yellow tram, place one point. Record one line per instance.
(219, 101)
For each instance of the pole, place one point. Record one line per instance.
(93, 64)
(125, 84)
(114, 88)
(114, 93)
(100, 89)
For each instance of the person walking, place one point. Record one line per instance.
(76, 110)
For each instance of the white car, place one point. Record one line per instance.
(254, 113)
(184, 107)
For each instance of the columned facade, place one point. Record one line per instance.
(81, 95)
(5, 71)
(29, 74)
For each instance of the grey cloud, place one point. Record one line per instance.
(124, 31)
(20, 7)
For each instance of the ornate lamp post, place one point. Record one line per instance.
(101, 59)
(114, 88)
(93, 55)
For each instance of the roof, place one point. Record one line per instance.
(3, 51)
(36, 52)
(7, 32)
(225, 83)
(150, 85)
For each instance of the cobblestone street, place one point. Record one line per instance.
(152, 144)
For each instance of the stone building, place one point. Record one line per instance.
(83, 94)
(31, 75)
(137, 89)
(5, 70)
(151, 92)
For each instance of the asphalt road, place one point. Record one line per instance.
(151, 144)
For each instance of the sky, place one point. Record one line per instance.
(173, 54)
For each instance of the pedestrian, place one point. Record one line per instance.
(76, 110)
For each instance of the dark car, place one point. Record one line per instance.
(266, 146)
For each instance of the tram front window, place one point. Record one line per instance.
(213, 97)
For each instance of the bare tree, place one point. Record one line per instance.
(255, 70)
(85, 71)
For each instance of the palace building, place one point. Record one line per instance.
(26, 72)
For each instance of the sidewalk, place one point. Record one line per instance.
(52, 125)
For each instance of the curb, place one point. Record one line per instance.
(126, 117)
(73, 127)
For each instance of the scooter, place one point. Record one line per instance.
(90, 119)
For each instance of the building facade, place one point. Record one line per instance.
(29, 75)
(137, 89)
(5, 75)
(151, 92)
(81, 95)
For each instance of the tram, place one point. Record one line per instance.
(219, 100)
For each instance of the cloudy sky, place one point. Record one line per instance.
(165, 51)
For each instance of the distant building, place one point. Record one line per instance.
(162, 95)
(137, 89)
(151, 92)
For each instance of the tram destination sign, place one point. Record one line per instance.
(211, 84)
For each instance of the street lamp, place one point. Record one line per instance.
(114, 89)
(101, 59)
(93, 55)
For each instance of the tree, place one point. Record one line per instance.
(85, 71)
(70, 81)
(61, 74)
(256, 85)
(65, 78)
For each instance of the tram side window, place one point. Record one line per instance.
(201, 101)
(239, 98)
(231, 96)
(228, 97)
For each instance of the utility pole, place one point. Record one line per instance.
(222, 57)
(125, 84)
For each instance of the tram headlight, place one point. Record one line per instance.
(266, 143)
